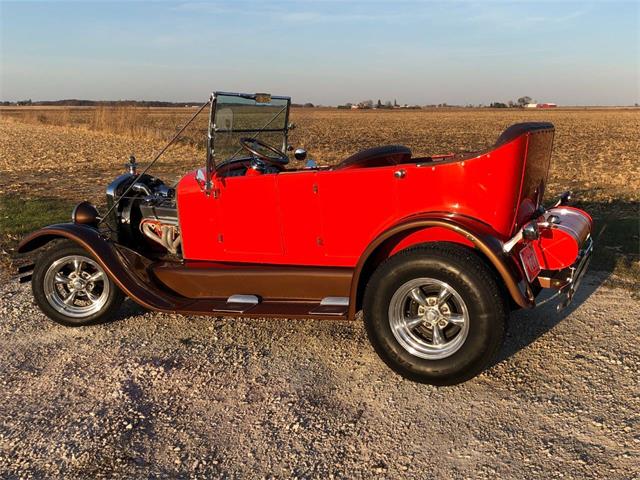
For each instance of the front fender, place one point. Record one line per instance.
(125, 267)
(481, 235)
(72, 231)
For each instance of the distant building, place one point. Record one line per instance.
(540, 105)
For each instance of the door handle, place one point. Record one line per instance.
(400, 173)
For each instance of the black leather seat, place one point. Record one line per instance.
(377, 157)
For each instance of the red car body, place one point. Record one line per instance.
(328, 217)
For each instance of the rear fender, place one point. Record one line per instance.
(441, 227)
(125, 267)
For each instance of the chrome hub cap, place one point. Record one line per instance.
(429, 318)
(76, 286)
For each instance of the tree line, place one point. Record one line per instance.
(99, 103)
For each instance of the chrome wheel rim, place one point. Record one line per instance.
(76, 286)
(429, 318)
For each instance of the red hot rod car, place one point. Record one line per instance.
(435, 250)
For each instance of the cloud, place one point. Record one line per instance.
(514, 14)
(297, 11)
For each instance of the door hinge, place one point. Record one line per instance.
(216, 193)
(315, 188)
(220, 238)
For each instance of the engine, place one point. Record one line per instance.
(147, 218)
(160, 224)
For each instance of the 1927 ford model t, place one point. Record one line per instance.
(434, 250)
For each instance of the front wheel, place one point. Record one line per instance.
(435, 313)
(71, 288)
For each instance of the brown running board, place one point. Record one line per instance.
(267, 308)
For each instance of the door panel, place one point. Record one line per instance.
(301, 221)
(251, 224)
(357, 204)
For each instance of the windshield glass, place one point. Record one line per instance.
(237, 116)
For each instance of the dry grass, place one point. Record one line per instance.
(133, 122)
(72, 153)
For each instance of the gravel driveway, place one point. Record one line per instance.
(167, 396)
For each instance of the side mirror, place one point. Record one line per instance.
(203, 182)
(300, 154)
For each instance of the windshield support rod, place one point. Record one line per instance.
(175, 137)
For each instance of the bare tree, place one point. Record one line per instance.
(522, 101)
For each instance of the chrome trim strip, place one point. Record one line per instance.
(251, 96)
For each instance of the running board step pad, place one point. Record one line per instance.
(333, 306)
(238, 304)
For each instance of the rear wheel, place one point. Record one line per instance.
(71, 288)
(435, 314)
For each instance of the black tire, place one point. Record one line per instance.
(109, 304)
(474, 282)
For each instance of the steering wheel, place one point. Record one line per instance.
(249, 144)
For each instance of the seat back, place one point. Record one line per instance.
(377, 157)
(517, 129)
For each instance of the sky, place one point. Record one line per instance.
(325, 52)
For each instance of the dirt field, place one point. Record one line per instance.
(595, 153)
(167, 396)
